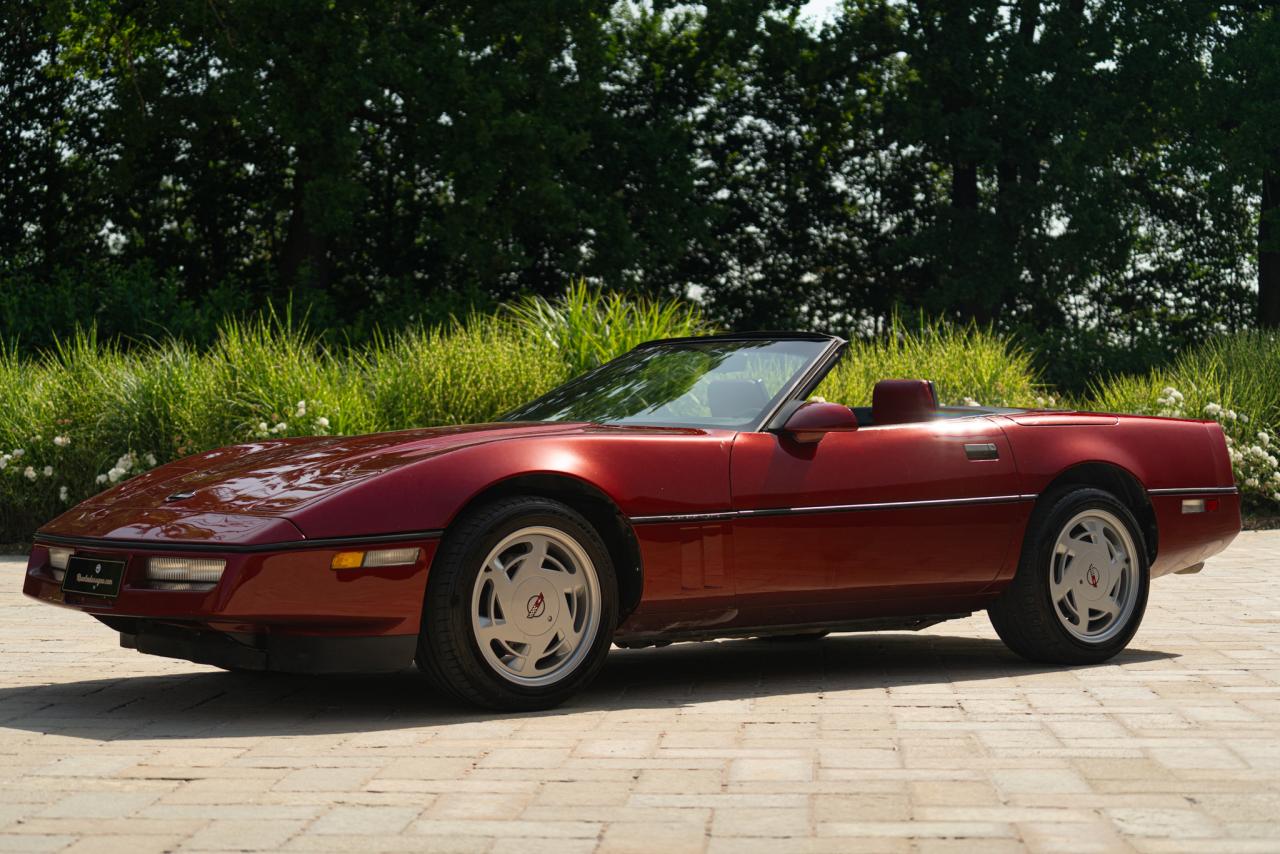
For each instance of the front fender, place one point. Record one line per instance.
(643, 473)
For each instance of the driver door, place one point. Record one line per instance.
(881, 514)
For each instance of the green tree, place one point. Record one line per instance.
(1242, 117)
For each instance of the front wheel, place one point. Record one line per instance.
(521, 606)
(1081, 586)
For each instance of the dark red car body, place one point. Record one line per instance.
(713, 533)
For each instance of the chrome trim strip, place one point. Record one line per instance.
(287, 545)
(722, 515)
(1203, 490)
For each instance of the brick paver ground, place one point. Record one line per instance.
(890, 742)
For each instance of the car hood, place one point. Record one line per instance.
(277, 477)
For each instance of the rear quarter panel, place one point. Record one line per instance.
(1161, 453)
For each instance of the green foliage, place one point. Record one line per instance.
(1234, 380)
(967, 364)
(1098, 178)
(588, 327)
(91, 412)
(461, 374)
(1238, 372)
(134, 303)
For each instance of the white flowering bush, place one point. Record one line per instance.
(126, 465)
(302, 421)
(1257, 465)
(1255, 451)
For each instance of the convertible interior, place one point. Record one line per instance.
(892, 402)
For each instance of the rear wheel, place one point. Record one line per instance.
(521, 606)
(1082, 581)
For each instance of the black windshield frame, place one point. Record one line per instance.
(798, 387)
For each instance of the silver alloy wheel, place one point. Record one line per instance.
(535, 606)
(1093, 576)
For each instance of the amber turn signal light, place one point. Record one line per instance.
(377, 558)
(348, 560)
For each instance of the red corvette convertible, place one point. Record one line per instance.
(686, 490)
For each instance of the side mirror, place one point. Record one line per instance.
(808, 424)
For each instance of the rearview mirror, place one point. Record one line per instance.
(808, 424)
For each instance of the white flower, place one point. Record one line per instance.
(29, 473)
(115, 474)
(302, 408)
(125, 462)
(62, 494)
(17, 453)
(151, 460)
(1252, 483)
(1244, 418)
(48, 471)
(4, 462)
(322, 423)
(262, 427)
(1212, 409)
(102, 478)
(280, 428)
(1230, 415)
(62, 441)
(1276, 496)
(969, 401)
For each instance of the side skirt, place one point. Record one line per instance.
(868, 624)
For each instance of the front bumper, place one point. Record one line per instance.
(275, 610)
(282, 653)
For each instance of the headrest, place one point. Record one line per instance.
(903, 401)
(736, 398)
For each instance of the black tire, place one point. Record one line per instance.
(448, 651)
(1025, 616)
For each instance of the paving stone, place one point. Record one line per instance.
(364, 820)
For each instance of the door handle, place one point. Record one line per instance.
(982, 451)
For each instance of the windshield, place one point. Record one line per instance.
(724, 383)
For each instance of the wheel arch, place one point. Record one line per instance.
(1121, 483)
(596, 506)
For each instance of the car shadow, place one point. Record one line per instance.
(212, 703)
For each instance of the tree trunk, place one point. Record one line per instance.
(964, 185)
(965, 245)
(304, 260)
(1269, 252)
